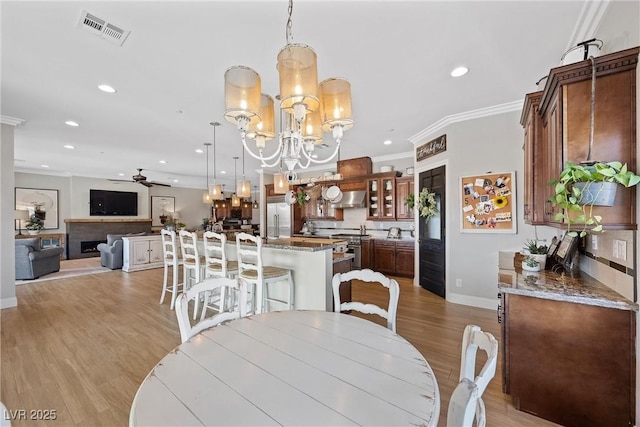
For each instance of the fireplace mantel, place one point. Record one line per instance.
(107, 220)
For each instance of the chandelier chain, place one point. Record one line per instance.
(289, 31)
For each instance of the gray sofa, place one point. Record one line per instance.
(111, 252)
(33, 262)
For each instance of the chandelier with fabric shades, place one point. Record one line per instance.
(307, 108)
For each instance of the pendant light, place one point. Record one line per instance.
(280, 182)
(235, 200)
(215, 190)
(255, 201)
(243, 187)
(206, 196)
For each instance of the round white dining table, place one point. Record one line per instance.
(290, 368)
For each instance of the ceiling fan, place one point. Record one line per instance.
(141, 179)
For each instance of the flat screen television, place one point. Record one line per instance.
(113, 203)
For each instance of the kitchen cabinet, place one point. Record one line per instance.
(223, 208)
(366, 253)
(535, 188)
(395, 258)
(564, 111)
(142, 253)
(567, 362)
(404, 187)
(246, 209)
(405, 255)
(381, 197)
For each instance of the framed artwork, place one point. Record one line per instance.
(160, 207)
(40, 202)
(566, 249)
(488, 203)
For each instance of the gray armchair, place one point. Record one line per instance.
(33, 262)
(111, 252)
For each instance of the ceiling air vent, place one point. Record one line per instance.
(102, 28)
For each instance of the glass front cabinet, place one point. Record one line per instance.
(381, 202)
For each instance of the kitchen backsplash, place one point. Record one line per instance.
(355, 217)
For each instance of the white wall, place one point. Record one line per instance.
(7, 219)
(188, 204)
(492, 143)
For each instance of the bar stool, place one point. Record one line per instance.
(192, 262)
(217, 265)
(171, 259)
(253, 271)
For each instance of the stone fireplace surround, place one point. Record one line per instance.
(84, 230)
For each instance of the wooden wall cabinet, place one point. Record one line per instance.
(563, 134)
(381, 198)
(404, 187)
(570, 363)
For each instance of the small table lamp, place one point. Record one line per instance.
(21, 215)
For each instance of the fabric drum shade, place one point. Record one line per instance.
(298, 71)
(241, 94)
(265, 127)
(336, 104)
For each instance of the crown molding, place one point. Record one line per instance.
(7, 120)
(469, 115)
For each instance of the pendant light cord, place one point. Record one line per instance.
(289, 33)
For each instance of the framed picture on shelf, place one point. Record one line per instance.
(40, 202)
(567, 247)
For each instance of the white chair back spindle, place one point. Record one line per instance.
(171, 260)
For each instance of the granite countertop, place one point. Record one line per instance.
(579, 288)
(301, 243)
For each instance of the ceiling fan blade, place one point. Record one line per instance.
(145, 183)
(120, 180)
(160, 184)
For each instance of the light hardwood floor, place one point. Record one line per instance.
(82, 346)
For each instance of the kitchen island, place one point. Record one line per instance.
(312, 263)
(568, 348)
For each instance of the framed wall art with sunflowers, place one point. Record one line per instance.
(489, 203)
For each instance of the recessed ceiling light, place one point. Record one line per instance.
(71, 123)
(70, 147)
(459, 71)
(223, 172)
(388, 142)
(199, 150)
(175, 180)
(106, 88)
(314, 156)
(44, 166)
(164, 162)
(120, 174)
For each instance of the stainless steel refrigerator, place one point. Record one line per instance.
(278, 218)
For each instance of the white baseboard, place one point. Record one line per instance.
(8, 302)
(488, 303)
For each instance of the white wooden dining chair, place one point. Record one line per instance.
(462, 405)
(212, 284)
(192, 262)
(171, 261)
(262, 277)
(472, 340)
(217, 265)
(369, 276)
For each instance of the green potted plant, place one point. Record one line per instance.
(530, 264)
(537, 252)
(170, 223)
(34, 225)
(410, 201)
(180, 225)
(579, 188)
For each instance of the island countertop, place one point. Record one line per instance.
(580, 288)
(302, 243)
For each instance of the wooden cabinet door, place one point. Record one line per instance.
(365, 253)
(535, 192)
(155, 250)
(140, 252)
(373, 199)
(384, 256)
(247, 210)
(405, 259)
(571, 363)
(552, 132)
(404, 187)
(388, 193)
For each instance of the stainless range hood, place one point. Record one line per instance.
(351, 199)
